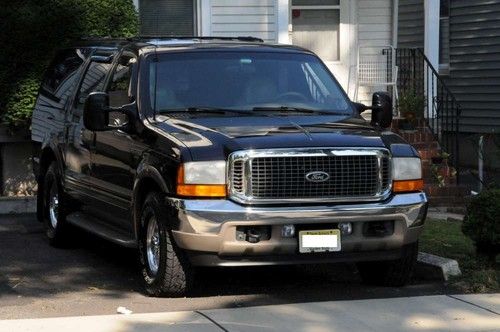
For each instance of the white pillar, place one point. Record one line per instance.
(205, 17)
(136, 4)
(283, 21)
(431, 38)
(431, 50)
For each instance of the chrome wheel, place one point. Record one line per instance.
(153, 245)
(53, 205)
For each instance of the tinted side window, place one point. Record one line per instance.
(61, 76)
(92, 81)
(120, 91)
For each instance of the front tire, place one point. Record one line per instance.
(54, 209)
(394, 273)
(166, 269)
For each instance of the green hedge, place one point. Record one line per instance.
(32, 30)
(482, 222)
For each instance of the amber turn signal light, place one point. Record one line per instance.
(400, 186)
(198, 190)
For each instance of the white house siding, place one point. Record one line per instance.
(375, 22)
(255, 18)
(375, 28)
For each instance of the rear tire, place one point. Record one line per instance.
(166, 269)
(394, 273)
(54, 209)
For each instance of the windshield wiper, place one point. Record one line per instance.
(202, 110)
(291, 109)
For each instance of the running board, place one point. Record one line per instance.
(97, 227)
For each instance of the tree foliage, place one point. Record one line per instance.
(31, 32)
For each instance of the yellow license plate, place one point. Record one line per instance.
(319, 241)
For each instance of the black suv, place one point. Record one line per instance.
(222, 152)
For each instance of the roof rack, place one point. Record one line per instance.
(239, 38)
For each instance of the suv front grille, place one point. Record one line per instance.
(282, 175)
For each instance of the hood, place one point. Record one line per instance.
(215, 137)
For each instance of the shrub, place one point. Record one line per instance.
(22, 101)
(482, 222)
(33, 30)
(411, 104)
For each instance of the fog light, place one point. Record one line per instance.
(345, 228)
(288, 231)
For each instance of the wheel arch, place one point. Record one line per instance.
(47, 155)
(148, 179)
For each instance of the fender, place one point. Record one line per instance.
(52, 145)
(146, 173)
(49, 148)
(150, 172)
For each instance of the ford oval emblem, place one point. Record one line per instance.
(317, 176)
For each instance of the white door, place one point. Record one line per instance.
(320, 26)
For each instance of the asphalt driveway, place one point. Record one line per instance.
(95, 277)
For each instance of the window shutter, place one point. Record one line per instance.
(167, 17)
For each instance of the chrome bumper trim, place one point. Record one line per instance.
(217, 212)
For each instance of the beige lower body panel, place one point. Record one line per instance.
(209, 226)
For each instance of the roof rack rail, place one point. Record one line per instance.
(239, 38)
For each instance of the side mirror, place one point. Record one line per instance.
(96, 111)
(381, 110)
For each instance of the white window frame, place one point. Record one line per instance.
(197, 10)
(343, 8)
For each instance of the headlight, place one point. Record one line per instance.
(202, 179)
(407, 175)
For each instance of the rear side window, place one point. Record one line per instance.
(61, 76)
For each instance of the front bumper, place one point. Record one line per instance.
(207, 228)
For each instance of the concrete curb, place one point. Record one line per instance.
(17, 205)
(446, 213)
(432, 267)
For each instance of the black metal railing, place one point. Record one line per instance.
(441, 111)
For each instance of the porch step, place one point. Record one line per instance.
(429, 153)
(423, 140)
(419, 136)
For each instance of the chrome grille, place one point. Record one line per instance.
(280, 175)
(237, 176)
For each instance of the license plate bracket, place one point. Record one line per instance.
(314, 241)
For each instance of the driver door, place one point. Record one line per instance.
(112, 170)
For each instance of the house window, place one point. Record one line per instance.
(167, 17)
(444, 37)
(316, 25)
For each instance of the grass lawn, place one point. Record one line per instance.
(445, 238)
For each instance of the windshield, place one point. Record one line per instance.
(243, 81)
